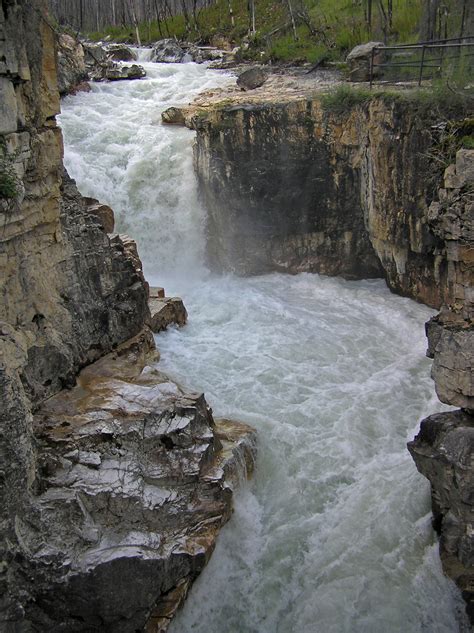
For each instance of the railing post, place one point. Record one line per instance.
(371, 67)
(421, 65)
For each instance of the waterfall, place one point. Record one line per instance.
(334, 532)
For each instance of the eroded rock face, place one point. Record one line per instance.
(71, 65)
(120, 53)
(294, 187)
(167, 311)
(443, 451)
(444, 448)
(132, 478)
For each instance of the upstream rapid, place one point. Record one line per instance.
(333, 535)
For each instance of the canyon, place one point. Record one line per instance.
(99, 451)
(117, 476)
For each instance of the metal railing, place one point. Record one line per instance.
(429, 56)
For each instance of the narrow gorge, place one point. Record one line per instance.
(117, 473)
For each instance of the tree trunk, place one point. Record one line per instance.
(251, 8)
(231, 13)
(292, 18)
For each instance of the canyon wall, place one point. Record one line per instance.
(113, 481)
(294, 187)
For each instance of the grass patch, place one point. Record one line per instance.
(345, 97)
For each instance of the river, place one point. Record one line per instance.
(333, 534)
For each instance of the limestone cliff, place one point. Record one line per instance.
(443, 450)
(294, 187)
(112, 491)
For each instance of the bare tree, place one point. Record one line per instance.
(231, 13)
(251, 8)
(292, 18)
(133, 13)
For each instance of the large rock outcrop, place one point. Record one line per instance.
(113, 484)
(295, 187)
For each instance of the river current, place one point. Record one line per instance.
(333, 534)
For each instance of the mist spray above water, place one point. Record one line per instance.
(334, 532)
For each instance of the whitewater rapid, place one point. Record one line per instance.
(333, 534)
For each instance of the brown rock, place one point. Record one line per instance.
(157, 292)
(164, 312)
(173, 116)
(105, 214)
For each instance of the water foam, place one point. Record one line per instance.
(333, 534)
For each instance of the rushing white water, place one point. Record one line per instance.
(333, 534)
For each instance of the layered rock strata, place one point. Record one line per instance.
(133, 488)
(444, 448)
(294, 187)
(112, 484)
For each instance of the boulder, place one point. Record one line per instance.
(251, 78)
(359, 59)
(168, 51)
(94, 54)
(173, 116)
(120, 53)
(164, 312)
(118, 72)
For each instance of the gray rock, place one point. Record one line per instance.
(169, 51)
(134, 480)
(8, 107)
(251, 78)
(120, 53)
(359, 60)
(465, 166)
(102, 212)
(443, 452)
(451, 345)
(120, 72)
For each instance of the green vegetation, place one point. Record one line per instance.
(441, 100)
(323, 28)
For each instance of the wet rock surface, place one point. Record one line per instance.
(169, 51)
(443, 451)
(166, 311)
(79, 62)
(132, 478)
